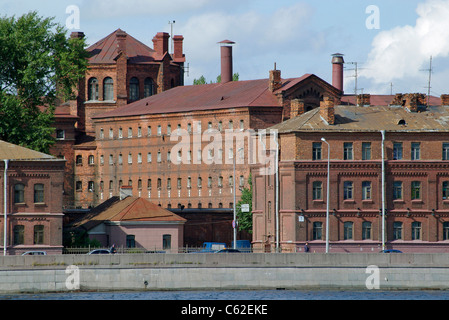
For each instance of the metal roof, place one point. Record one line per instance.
(372, 118)
(14, 152)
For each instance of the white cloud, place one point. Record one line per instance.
(401, 54)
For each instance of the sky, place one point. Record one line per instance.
(390, 41)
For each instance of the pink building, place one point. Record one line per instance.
(133, 222)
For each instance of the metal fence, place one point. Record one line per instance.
(122, 250)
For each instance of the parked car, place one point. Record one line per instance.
(34, 253)
(100, 251)
(391, 251)
(227, 250)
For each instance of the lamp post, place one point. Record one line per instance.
(327, 194)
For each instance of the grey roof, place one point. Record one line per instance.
(15, 152)
(372, 118)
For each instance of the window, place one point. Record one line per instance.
(317, 231)
(397, 151)
(397, 230)
(242, 125)
(130, 132)
(159, 130)
(90, 186)
(416, 190)
(149, 130)
(38, 193)
(111, 159)
(348, 187)
(102, 159)
(397, 190)
(445, 151)
(148, 87)
(111, 133)
(101, 186)
(139, 131)
(108, 89)
(139, 158)
(159, 183)
(209, 125)
(317, 190)
(446, 230)
(316, 151)
(348, 230)
(366, 230)
(189, 182)
(19, 194)
(416, 230)
(242, 181)
(415, 151)
(101, 133)
(91, 160)
(168, 183)
(159, 156)
(149, 184)
(19, 234)
(179, 184)
(120, 159)
(134, 89)
(39, 234)
(209, 182)
(347, 151)
(149, 158)
(445, 190)
(169, 129)
(366, 150)
(79, 186)
(130, 241)
(200, 182)
(120, 133)
(166, 241)
(111, 184)
(220, 182)
(60, 134)
(220, 126)
(79, 160)
(231, 125)
(92, 89)
(366, 190)
(168, 156)
(231, 181)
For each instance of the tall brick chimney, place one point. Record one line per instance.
(275, 79)
(327, 110)
(226, 60)
(160, 43)
(121, 41)
(337, 70)
(177, 48)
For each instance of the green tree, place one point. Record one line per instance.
(245, 219)
(202, 79)
(39, 66)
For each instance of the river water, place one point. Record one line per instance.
(238, 295)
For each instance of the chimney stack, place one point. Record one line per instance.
(177, 48)
(160, 43)
(226, 60)
(77, 35)
(275, 79)
(337, 71)
(296, 107)
(327, 110)
(121, 41)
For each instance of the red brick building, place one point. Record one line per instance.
(34, 184)
(121, 70)
(415, 175)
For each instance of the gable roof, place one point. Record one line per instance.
(14, 152)
(130, 209)
(105, 50)
(215, 96)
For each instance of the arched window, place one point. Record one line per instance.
(19, 234)
(19, 195)
(92, 89)
(108, 89)
(148, 87)
(134, 89)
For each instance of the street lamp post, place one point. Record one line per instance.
(327, 194)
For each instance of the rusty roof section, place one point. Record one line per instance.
(215, 96)
(129, 209)
(372, 118)
(9, 151)
(105, 50)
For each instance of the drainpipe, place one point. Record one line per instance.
(277, 189)
(383, 189)
(5, 203)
